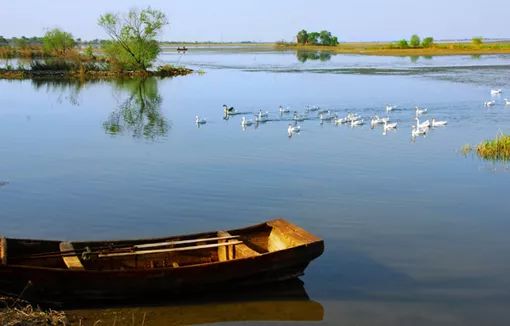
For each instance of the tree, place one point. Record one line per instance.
(427, 42)
(133, 45)
(3, 41)
(477, 40)
(414, 41)
(58, 42)
(325, 37)
(302, 37)
(313, 38)
(403, 44)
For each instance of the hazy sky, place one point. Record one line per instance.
(270, 20)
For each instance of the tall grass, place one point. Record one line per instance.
(497, 149)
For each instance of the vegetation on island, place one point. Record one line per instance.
(497, 149)
(414, 46)
(133, 43)
(324, 38)
(130, 52)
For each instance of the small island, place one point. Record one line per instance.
(130, 52)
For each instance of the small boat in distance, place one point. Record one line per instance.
(62, 272)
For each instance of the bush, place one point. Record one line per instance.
(58, 42)
(402, 44)
(477, 40)
(415, 41)
(427, 42)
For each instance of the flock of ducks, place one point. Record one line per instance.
(492, 102)
(420, 128)
(323, 115)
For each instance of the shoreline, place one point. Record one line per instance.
(22, 74)
(384, 49)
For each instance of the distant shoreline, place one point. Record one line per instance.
(367, 48)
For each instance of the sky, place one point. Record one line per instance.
(269, 20)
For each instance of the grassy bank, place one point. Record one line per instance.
(379, 48)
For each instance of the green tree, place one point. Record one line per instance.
(3, 41)
(325, 37)
(302, 37)
(415, 41)
(58, 42)
(133, 45)
(477, 40)
(427, 42)
(403, 44)
(313, 38)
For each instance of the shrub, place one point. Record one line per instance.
(427, 42)
(402, 44)
(415, 41)
(477, 40)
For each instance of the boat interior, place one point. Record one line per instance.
(171, 252)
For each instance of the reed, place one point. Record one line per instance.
(497, 149)
(15, 312)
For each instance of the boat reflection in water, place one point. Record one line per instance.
(287, 301)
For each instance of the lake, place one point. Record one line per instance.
(416, 233)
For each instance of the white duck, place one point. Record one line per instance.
(425, 124)
(439, 123)
(261, 117)
(312, 108)
(377, 120)
(390, 108)
(293, 129)
(245, 122)
(389, 126)
(420, 111)
(489, 103)
(356, 123)
(328, 117)
(496, 91)
(418, 131)
(199, 121)
(284, 110)
(339, 121)
(298, 117)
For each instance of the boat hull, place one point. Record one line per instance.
(40, 284)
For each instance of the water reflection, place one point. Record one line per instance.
(140, 113)
(66, 90)
(303, 56)
(287, 301)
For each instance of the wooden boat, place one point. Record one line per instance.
(60, 271)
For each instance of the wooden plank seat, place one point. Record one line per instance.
(71, 261)
(157, 251)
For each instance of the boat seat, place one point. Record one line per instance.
(227, 251)
(71, 260)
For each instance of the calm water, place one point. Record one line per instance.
(416, 233)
